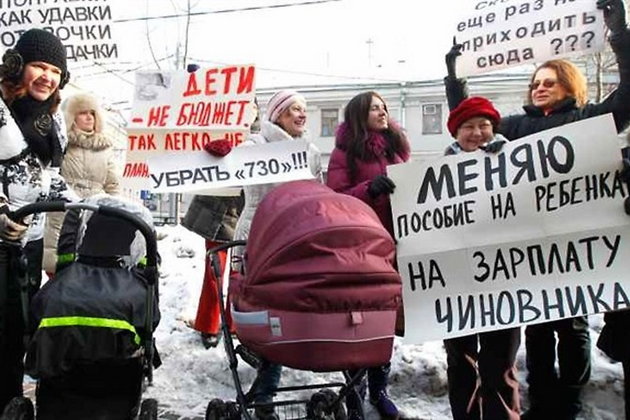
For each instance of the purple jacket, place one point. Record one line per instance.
(339, 174)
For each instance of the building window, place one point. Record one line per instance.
(330, 119)
(432, 119)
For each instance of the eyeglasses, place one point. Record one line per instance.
(548, 83)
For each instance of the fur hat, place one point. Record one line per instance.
(35, 45)
(279, 102)
(475, 106)
(81, 102)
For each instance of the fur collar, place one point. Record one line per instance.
(270, 132)
(92, 141)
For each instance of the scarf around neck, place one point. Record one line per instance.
(36, 123)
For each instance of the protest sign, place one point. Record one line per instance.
(85, 29)
(179, 112)
(505, 33)
(534, 233)
(262, 164)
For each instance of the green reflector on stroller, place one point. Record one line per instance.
(82, 321)
(66, 258)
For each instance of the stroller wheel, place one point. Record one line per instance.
(149, 410)
(322, 406)
(19, 408)
(231, 411)
(217, 410)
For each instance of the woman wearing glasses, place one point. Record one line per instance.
(557, 95)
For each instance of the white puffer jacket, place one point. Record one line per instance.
(25, 179)
(254, 194)
(89, 167)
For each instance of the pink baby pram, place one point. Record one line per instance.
(318, 290)
(319, 279)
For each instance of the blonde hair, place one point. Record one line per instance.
(569, 77)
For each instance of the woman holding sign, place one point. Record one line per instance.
(481, 367)
(366, 142)
(285, 120)
(557, 96)
(32, 141)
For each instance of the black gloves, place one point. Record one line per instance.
(614, 14)
(494, 146)
(10, 230)
(381, 185)
(191, 68)
(451, 58)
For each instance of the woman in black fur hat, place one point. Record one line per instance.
(32, 141)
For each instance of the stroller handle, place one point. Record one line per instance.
(61, 206)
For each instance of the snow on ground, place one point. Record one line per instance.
(191, 375)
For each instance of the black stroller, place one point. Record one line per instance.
(92, 345)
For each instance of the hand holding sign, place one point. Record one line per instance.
(451, 58)
(380, 185)
(614, 14)
(218, 148)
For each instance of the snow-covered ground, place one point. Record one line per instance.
(191, 375)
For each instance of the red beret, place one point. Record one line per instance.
(470, 108)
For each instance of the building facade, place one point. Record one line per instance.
(419, 107)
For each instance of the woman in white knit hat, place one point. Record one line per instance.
(285, 120)
(89, 166)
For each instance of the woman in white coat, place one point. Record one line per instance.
(285, 120)
(89, 166)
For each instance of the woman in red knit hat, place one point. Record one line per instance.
(481, 370)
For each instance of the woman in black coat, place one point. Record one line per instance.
(557, 96)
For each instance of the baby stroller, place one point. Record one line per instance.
(317, 291)
(92, 344)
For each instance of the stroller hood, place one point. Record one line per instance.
(312, 249)
(86, 233)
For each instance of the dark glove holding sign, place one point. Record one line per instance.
(9, 230)
(494, 146)
(380, 185)
(451, 58)
(217, 148)
(614, 14)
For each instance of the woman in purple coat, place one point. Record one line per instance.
(366, 142)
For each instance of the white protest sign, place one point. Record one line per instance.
(261, 164)
(534, 233)
(508, 33)
(179, 112)
(85, 29)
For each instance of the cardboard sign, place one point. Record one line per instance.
(501, 33)
(179, 112)
(84, 28)
(532, 234)
(262, 164)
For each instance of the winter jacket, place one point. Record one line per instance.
(89, 167)
(534, 120)
(213, 217)
(25, 179)
(269, 133)
(339, 175)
